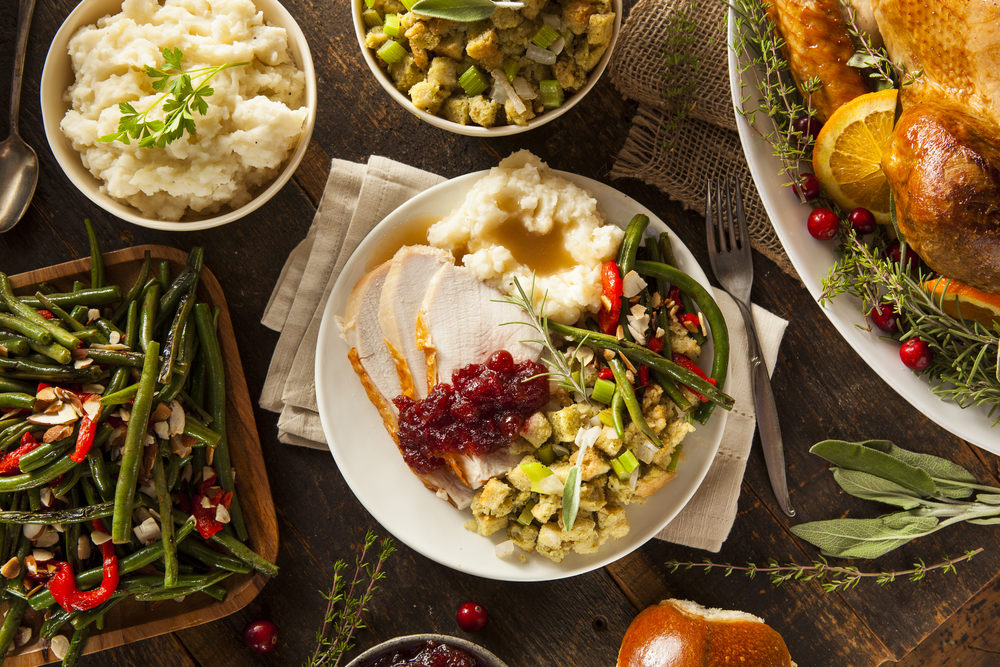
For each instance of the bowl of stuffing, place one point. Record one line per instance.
(487, 69)
(165, 128)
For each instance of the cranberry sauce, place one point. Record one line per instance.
(481, 411)
(426, 654)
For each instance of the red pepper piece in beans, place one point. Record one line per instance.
(63, 582)
(88, 428)
(206, 504)
(611, 297)
(681, 360)
(11, 462)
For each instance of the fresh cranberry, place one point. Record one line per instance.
(808, 187)
(862, 220)
(894, 252)
(823, 224)
(916, 354)
(884, 318)
(261, 636)
(501, 362)
(471, 617)
(807, 126)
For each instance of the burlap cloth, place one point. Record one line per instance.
(679, 155)
(356, 198)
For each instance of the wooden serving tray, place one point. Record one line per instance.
(132, 621)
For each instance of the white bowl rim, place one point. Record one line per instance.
(478, 651)
(87, 184)
(476, 130)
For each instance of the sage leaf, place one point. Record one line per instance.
(935, 466)
(861, 59)
(571, 497)
(988, 498)
(865, 538)
(867, 458)
(985, 521)
(464, 11)
(869, 487)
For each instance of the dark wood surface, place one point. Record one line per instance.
(823, 390)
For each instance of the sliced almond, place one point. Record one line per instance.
(179, 447)
(93, 314)
(205, 502)
(83, 547)
(7, 414)
(93, 389)
(32, 530)
(23, 636)
(124, 414)
(99, 537)
(46, 496)
(57, 433)
(31, 591)
(79, 353)
(207, 472)
(30, 565)
(65, 415)
(48, 538)
(161, 413)
(82, 363)
(11, 568)
(148, 531)
(47, 395)
(92, 407)
(115, 338)
(117, 438)
(42, 555)
(186, 472)
(118, 347)
(222, 514)
(59, 646)
(209, 455)
(3, 351)
(177, 418)
(162, 430)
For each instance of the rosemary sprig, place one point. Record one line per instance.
(348, 601)
(831, 578)
(884, 71)
(759, 48)
(184, 99)
(560, 368)
(966, 365)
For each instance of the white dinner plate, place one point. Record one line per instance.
(373, 468)
(813, 259)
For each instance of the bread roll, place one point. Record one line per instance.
(680, 633)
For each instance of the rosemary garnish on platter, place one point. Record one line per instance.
(347, 601)
(830, 577)
(883, 70)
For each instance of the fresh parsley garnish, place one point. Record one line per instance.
(182, 98)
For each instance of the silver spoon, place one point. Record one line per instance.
(18, 161)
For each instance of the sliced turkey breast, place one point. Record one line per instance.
(462, 321)
(410, 272)
(476, 470)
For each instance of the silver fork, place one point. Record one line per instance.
(729, 253)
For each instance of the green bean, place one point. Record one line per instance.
(96, 261)
(135, 290)
(147, 316)
(35, 332)
(54, 351)
(13, 434)
(17, 400)
(35, 478)
(56, 309)
(672, 392)
(617, 409)
(179, 591)
(107, 327)
(631, 402)
(132, 450)
(99, 473)
(116, 357)
(68, 482)
(89, 494)
(34, 499)
(76, 644)
(54, 623)
(716, 323)
(26, 369)
(173, 471)
(79, 313)
(19, 308)
(166, 524)
(14, 344)
(136, 560)
(245, 553)
(44, 454)
(631, 242)
(175, 335)
(12, 619)
(164, 274)
(216, 373)
(71, 533)
(83, 297)
(212, 558)
(6, 384)
(185, 282)
(200, 432)
(183, 364)
(121, 396)
(83, 620)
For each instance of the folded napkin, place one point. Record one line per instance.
(356, 198)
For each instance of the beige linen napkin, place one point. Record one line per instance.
(356, 198)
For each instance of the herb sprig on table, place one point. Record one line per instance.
(182, 98)
(347, 601)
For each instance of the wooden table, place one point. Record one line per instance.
(823, 390)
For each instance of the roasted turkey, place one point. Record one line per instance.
(943, 162)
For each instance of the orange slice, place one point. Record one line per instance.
(847, 157)
(973, 304)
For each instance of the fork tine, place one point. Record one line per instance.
(729, 213)
(713, 245)
(741, 218)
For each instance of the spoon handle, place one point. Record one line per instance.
(24, 13)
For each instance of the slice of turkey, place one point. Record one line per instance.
(462, 321)
(410, 273)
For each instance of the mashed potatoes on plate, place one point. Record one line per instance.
(521, 219)
(254, 119)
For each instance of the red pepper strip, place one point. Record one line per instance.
(205, 522)
(47, 314)
(611, 290)
(606, 374)
(691, 322)
(63, 582)
(681, 360)
(88, 427)
(11, 462)
(675, 295)
(655, 343)
(42, 385)
(643, 376)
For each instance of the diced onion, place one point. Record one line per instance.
(633, 480)
(552, 20)
(505, 549)
(498, 93)
(501, 79)
(539, 55)
(551, 486)
(525, 91)
(557, 46)
(644, 450)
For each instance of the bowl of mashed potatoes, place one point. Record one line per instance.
(254, 131)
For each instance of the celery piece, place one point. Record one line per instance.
(371, 18)
(392, 51)
(606, 417)
(545, 454)
(526, 517)
(604, 390)
(511, 68)
(472, 81)
(551, 93)
(369, 3)
(545, 37)
(628, 461)
(408, 4)
(536, 472)
(619, 470)
(392, 26)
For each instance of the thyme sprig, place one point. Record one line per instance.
(883, 70)
(348, 601)
(681, 65)
(773, 113)
(185, 98)
(560, 369)
(830, 577)
(966, 364)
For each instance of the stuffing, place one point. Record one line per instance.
(654, 480)
(483, 111)
(495, 499)
(600, 27)
(565, 424)
(523, 536)
(536, 429)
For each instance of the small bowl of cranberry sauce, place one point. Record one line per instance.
(427, 650)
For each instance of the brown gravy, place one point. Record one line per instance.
(545, 254)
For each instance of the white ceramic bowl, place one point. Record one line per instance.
(476, 130)
(409, 641)
(57, 76)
